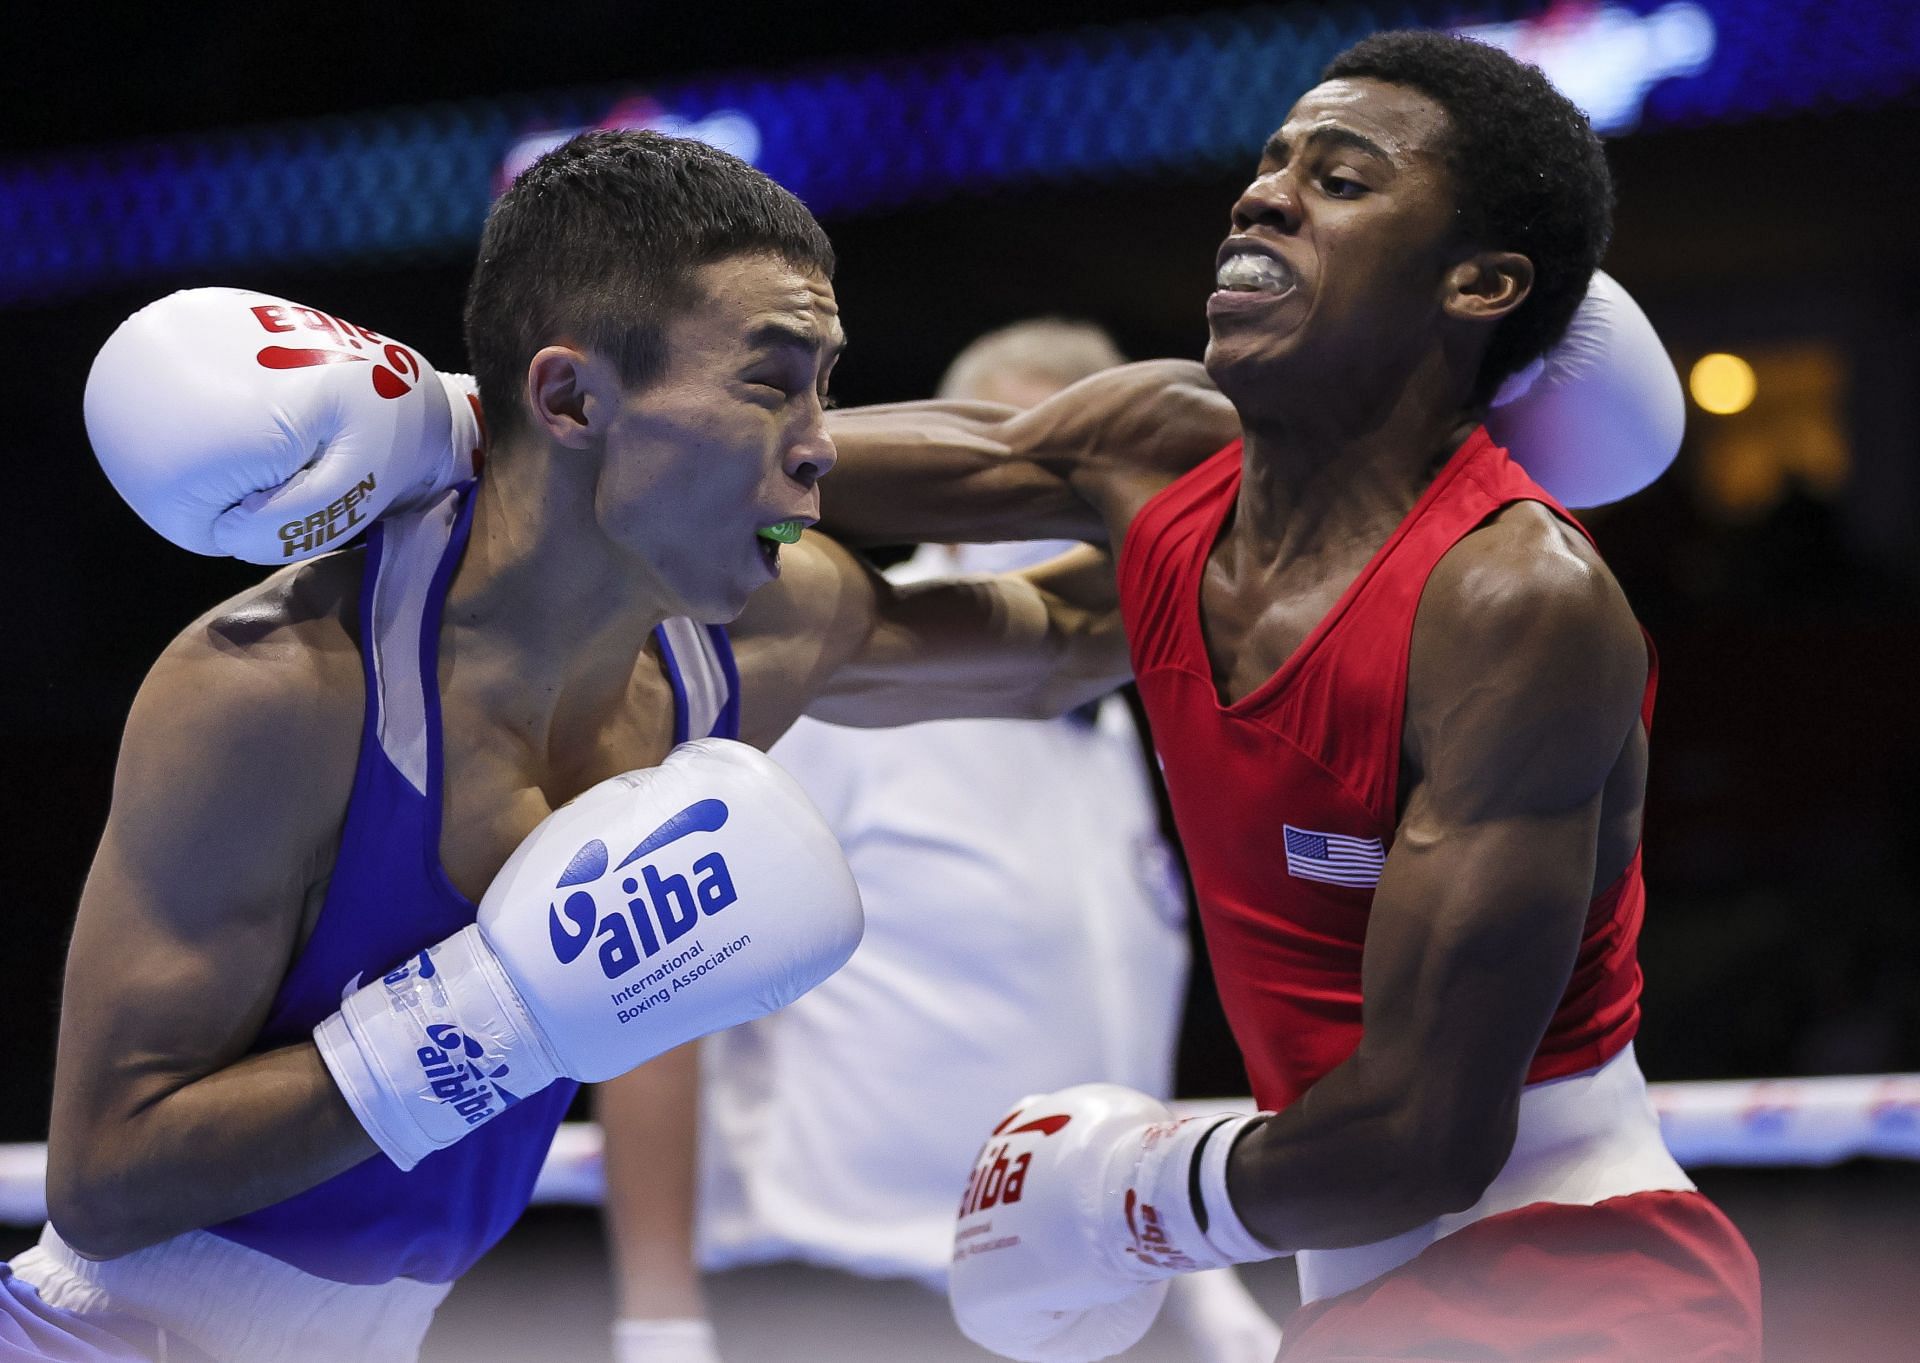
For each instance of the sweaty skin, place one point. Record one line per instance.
(613, 510)
(1523, 757)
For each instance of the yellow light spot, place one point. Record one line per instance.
(1722, 384)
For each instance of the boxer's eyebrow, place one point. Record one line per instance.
(1277, 148)
(771, 335)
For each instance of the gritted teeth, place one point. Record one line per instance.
(1251, 272)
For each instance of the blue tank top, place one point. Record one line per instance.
(390, 897)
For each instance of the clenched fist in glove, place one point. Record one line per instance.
(1082, 1204)
(238, 423)
(657, 907)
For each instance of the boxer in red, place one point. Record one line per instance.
(1403, 708)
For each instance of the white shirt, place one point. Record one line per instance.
(1025, 931)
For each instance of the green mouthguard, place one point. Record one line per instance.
(787, 532)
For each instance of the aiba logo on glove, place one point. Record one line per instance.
(999, 1177)
(395, 368)
(451, 1066)
(659, 910)
(456, 1068)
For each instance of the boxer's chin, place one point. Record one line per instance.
(1243, 363)
(723, 606)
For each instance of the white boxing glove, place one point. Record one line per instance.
(1082, 1204)
(238, 423)
(657, 907)
(1600, 415)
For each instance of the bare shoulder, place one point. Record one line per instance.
(1525, 655)
(285, 650)
(249, 720)
(798, 630)
(1526, 575)
(822, 584)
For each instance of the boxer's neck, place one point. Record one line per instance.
(540, 585)
(1343, 464)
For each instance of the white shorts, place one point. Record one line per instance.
(200, 1299)
(31, 1329)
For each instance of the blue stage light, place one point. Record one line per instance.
(1183, 96)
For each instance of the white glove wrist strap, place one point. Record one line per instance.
(1177, 1164)
(458, 459)
(439, 1045)
(465, 438)
(1226, 1232)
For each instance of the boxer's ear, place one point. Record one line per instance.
(1487, 286)
(572, 395)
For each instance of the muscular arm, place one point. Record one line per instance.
(1078, 466)
(233, 771)
(1526, 679)
(1027, 645)
(839, 642)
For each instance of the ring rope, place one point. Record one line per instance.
(1744, 1122)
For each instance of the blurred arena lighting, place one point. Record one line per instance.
(1722, 384)
(731, 130)
(1177, 97)
(1605, 58)
(1782, 429)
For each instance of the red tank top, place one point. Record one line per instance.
(1286, 800)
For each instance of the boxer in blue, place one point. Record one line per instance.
(397, 849)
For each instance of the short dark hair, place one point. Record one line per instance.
(598, 241)
(1529, 174)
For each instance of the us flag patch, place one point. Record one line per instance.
(1334, 858)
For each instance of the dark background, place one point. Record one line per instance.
(1782, 936)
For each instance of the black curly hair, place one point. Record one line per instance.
(1529, 174)
(598, 240)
